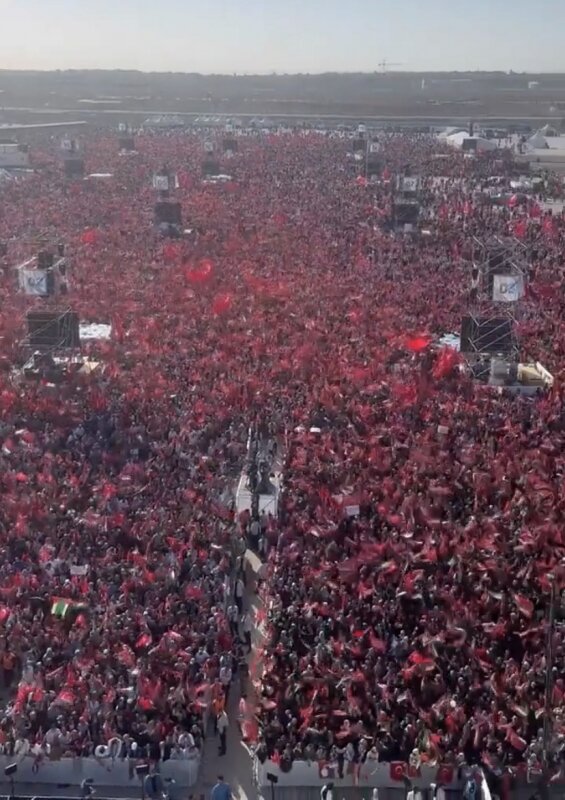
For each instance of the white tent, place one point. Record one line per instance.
(458, 141)
(449, 132)
(537, 141)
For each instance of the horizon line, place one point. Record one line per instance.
(282, 73)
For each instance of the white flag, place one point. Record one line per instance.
(34, 282)
(507, 288)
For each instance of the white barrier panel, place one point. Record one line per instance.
(104, 772)
(485, 790)
(371, 774)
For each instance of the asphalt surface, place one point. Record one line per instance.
(147, 113)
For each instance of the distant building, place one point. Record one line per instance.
(164, 122)
(445, 133)
(470, 144)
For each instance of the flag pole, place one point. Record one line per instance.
(549, 659)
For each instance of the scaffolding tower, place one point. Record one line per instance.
(498, 275)
(406, 202)
(167, 212)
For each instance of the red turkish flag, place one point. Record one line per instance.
(524, 604)
(126, 656)
(417, 343)
(90, 236)
(419, 658)
(65, 696)
(144, 641)
(397, 770)
(548, 226)
(222, 303)
(447, 360)
(520, 228)
(444, 775)
(193, 593)
(516, 741)
(326, 770)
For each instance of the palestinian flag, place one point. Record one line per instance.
(60, 607)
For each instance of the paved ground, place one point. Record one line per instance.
(360, 115)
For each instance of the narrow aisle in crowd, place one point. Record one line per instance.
(236, 765)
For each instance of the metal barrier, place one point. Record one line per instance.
(370, 775)
(107, 772)
(304, 780)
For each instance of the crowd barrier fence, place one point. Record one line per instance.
(370, 775)
(104, 772)
(305, 780)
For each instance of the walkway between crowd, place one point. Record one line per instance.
(237, 765)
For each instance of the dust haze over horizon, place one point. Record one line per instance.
(286, 36)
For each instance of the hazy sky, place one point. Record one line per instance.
(282, 35)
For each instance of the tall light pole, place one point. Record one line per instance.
(549, 660)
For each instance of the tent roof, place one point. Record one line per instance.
(537, 141)
(450, 131)
(462, 136)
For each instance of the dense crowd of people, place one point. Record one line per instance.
(421, 523)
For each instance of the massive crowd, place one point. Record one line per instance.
(421, 522)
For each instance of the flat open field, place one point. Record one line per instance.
(33, 96)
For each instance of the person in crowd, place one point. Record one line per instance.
(226, 679)
(254, 534)
(221, 790)
(247, 629)
(239, 591)
(233, 619)
(223, 725)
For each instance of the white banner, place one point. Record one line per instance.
(33, 282)
(161, 183)
(374, 147)
(507, 288)
(352, 511)
(410, 184)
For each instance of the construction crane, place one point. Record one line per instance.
(384, 65)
